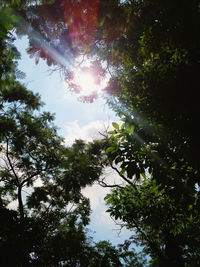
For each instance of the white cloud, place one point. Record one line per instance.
(104, 218)
(96, 194)
(88, 132)
(13, 205)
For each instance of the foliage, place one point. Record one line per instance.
(42, 211)
(151, 51)
(156, 149)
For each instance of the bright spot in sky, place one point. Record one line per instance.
(87, 82)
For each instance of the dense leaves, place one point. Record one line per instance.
(42, 211)
(156, 149)
(150, 50)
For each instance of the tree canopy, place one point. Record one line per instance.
(150, 52)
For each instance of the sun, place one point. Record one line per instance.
(86, 82)
(89, 79)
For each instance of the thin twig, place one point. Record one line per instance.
(10, 163)
(121, 175)
(103, 184)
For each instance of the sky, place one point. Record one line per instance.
(75, 120)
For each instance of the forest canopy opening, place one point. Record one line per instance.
(151, 51)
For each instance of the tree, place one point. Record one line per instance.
(151, 50)
(157, 148)
(49, 224)
(154, 61)
(43, 177)
(158, 203)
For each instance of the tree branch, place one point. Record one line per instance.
(103, 184)
(29, 178)
(10, 163)
(122, 176)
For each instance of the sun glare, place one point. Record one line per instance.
(87, 83)
(88, 80)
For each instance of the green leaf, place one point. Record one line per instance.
(111, 132)
(118, 159)
(123, 126)
(110, 149)
(131, 129)
(115, 125)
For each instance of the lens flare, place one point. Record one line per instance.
(86, 82)
(81, 17)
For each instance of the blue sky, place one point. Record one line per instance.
(55, 94)
(75, 120)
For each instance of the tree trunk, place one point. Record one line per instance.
(21, 206)
(173, 251)
(23, 258)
